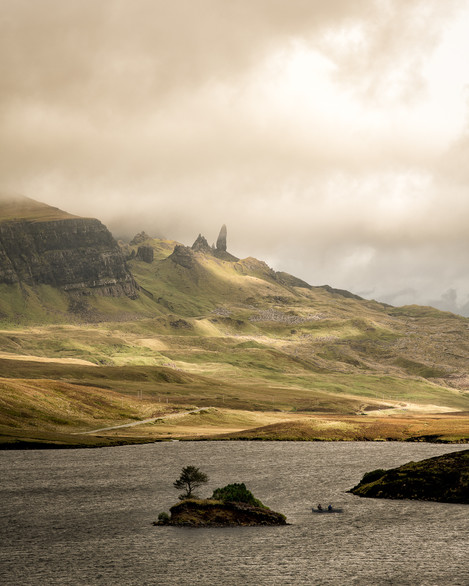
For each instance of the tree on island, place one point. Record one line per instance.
(191, 478)
(231, 506)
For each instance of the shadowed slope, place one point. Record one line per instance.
(443, 478)
(212, 330)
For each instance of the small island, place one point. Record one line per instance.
(443, 479)
(231, 506)
(212, 513)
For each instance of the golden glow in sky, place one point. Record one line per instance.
(331, 136)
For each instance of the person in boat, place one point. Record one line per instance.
(319, 507)
(329, 508)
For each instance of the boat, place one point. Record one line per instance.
(333, 510)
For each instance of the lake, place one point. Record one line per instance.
(84, 517)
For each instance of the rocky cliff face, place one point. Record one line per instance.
(75, 254)
(145, 253)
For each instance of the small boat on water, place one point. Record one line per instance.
(333, 510)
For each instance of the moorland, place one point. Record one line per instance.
(190, 342)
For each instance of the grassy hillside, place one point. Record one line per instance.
(441, 428)
(235, 336)
(18, 207)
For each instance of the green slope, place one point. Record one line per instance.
(18, 207)
(239, 335)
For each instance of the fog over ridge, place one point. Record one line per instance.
(331, 138)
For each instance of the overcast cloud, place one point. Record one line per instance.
(330, 136)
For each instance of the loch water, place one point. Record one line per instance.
(84, 517)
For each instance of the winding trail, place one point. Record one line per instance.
(142, 421)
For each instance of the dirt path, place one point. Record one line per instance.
(141, 422)
(26, 357)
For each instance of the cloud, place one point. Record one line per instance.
(329, 136)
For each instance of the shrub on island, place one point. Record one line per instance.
(236, 493)
(230, 506)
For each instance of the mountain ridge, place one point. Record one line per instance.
(240, 336)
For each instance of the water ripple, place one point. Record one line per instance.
(83, 517)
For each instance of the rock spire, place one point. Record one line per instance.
(201, 245)
(218, 250)
(221, 240)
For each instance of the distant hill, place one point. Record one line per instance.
(243, 335)
(326, 328)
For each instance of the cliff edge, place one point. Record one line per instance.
(40, 244)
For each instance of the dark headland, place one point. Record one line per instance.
(443, 478)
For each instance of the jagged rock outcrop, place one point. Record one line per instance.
(72, 253)
(145, 253)
(182, 256)
(201, 245)
(139, 238)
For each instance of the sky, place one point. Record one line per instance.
(330, 136)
